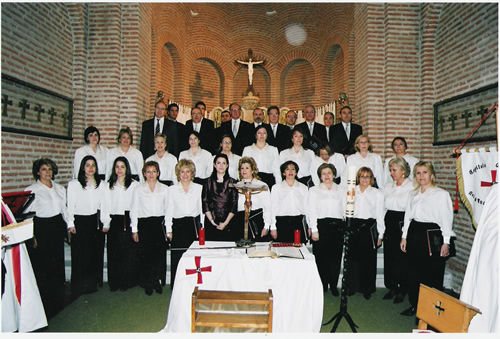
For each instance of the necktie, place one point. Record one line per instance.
(196, 128)
(328, 134)
(311, 129)
(235, 128)
(274, 131)
(347, 131)
(157, 129)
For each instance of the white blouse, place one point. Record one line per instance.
(101, 156)
(259, 200)
(288, 200)
(147, 203)
(434, 205)
(267, 159)
(202, 162)
(234, 159)
(83, 201)
(48, 202)
(167, 166)
(182, 204)
(409, 159)
(325, 203)
(134, 157)
(370, 204)
(396, 197)
(116, 201)
(336, 160)
(303, 158)
(372, 161)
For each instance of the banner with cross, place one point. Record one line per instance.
(477, 173)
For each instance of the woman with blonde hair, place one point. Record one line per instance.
(429, 215)
(364, 157)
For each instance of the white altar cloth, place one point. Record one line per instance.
(295, 283)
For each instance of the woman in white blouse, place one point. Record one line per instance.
(165, 160)
(364, 157)
(85, 196)
(325, 155)
(399, 146)
(429, 210)
(92, 137)
(133, 155)
(201, 158)
(225, 148)
(47, 248)
(303, 157)
(289, 203)
(115, 214)
(184, 211)
(266, 157)
(367, 233)
(260, 220)
(149, 204)
(396, 195)
(326, 205)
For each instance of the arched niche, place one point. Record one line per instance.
(206, 83)
(334, 79)
(171, 72)
(261, 84)
(298, 84)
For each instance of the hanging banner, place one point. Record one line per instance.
(477, 173)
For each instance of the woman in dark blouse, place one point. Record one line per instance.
(219, 202)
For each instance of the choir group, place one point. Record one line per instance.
(142, 202)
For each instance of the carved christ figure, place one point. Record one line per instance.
(250, 64)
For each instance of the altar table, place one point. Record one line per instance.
(295, 283)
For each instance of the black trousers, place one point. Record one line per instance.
(362, 257)
(395, 260)
(184, 232)
(86, 267)
(286, 226)
(123, 254)
(268, 178)
(328, 250)
(151, 245)
(422, 268)
(47, 260)
(255, 226)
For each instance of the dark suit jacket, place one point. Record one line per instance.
(339, 139)
(206, 134)
(244, 138)
(147, 146)
(283, 139)
(315, 140)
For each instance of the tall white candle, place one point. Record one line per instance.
(351, 184)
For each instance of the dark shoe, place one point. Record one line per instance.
(148, 290)
(400, 297)
(409, 312)
(158, 289)
(389, 295)
(367, 295)
(335, 292)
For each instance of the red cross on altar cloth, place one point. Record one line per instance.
(198, 270)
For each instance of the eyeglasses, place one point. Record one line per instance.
(365, 176)
(226, 142)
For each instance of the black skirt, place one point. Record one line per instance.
(184, 232)
(286, 226)
(255, 226)
(395, 263)
(362, 256)
(152, 241)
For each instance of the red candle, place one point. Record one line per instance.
(296, 237)
(202, 236)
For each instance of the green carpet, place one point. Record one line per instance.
(134, 311)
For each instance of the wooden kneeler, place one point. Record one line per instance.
(224, 309)
(443, 312)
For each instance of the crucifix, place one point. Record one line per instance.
(247, 190)
(466, 115)
(65, 116)
(482, 111)
(5, 103)
(452, 119)
(442, 120)
(23, 104)
(250, 64)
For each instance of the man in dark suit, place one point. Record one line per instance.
(314, 131)
(345, 133)
(242, 131)
(328, 119)
(278, 135)
(258, 117)
(175, 142)
(203, 126)
(290, 119)
(159, 124)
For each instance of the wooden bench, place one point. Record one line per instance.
(443, 312)
(244, 310)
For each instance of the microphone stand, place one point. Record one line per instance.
(351, 183)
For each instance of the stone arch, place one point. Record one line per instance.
(298, 84)
(204, 72)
